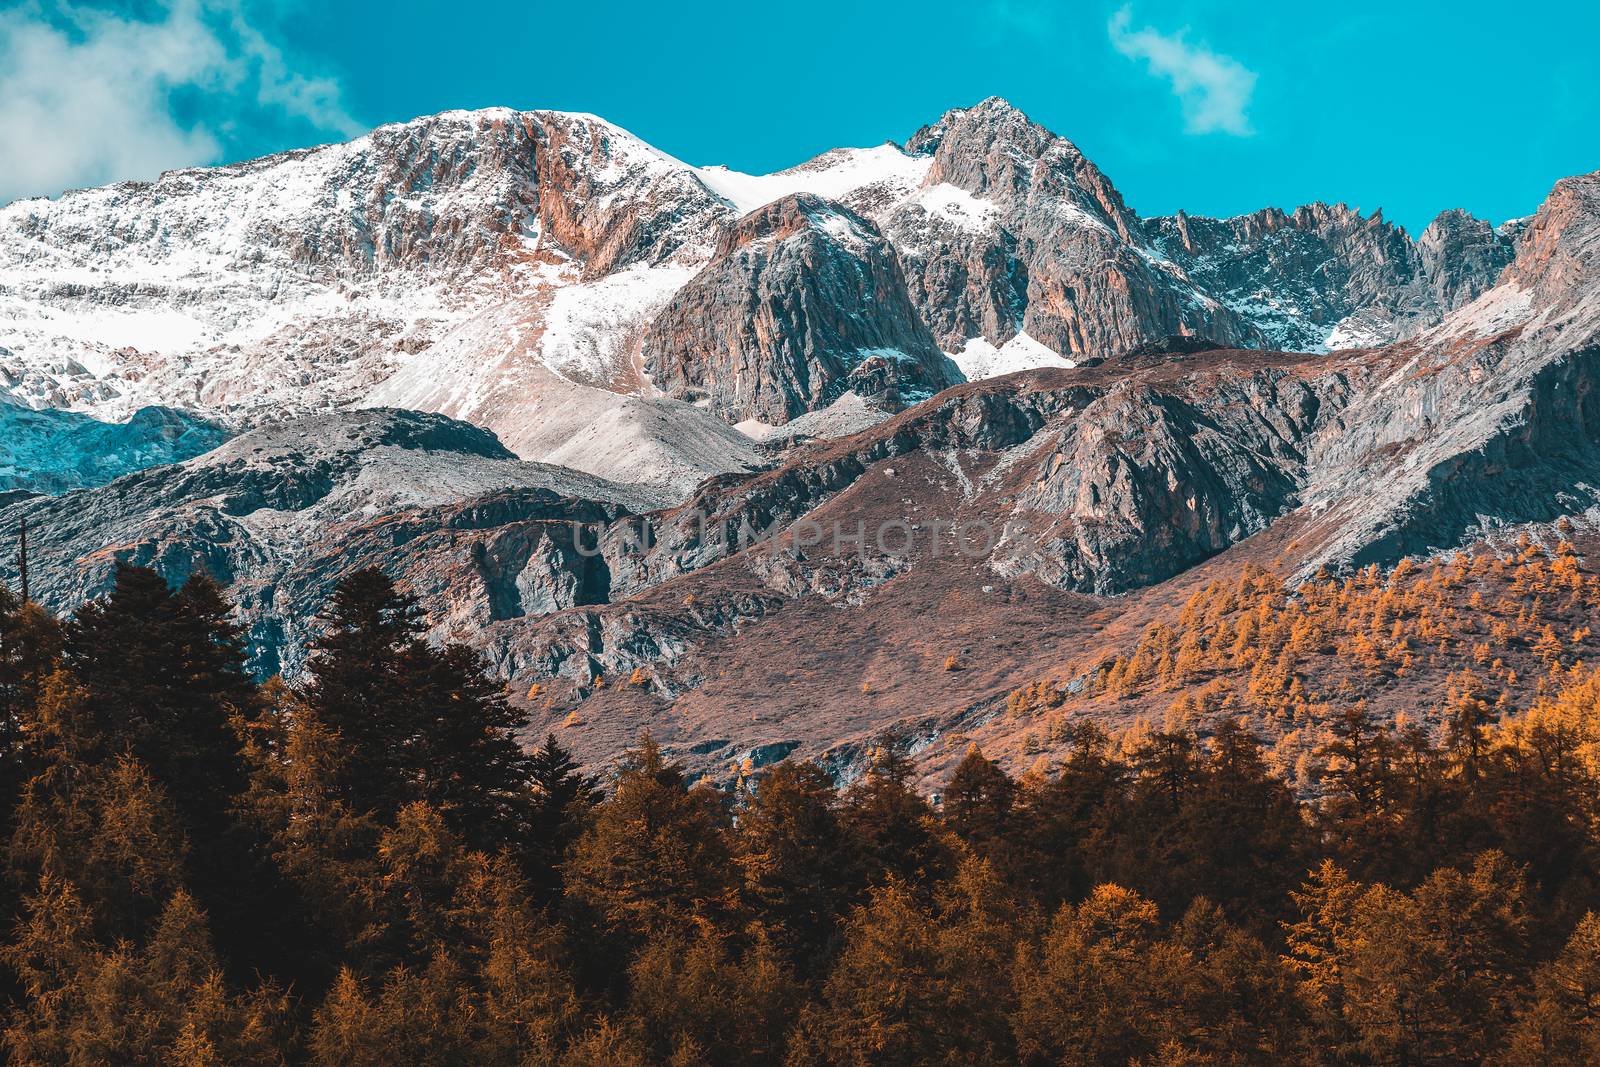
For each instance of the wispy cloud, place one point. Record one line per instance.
(92, 96)
(1213, 89)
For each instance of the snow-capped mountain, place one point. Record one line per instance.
(693, 353)
(597, 303)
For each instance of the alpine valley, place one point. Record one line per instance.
(549, 377)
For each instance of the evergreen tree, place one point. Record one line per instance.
(31, 642)
(1560, 1026)
(656, 858)
(166, 680)
(942, 1005)
(1241, 994)
(893, 826)
(702, 998)
(1319, 943)
(1103, 987)
(359, 688)
(30, 654)
(1211, 823)
(979, 801)
(1433, 975)
(321, 854)
(800, 868)
(115, 958)
(561, 798)
(1358, 811)
(468, 763)
(415, 722)
(460, 968)
(1063, 818)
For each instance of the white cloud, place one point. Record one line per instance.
(89, 96)
(1214, 90)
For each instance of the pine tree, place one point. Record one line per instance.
(937, 1008)
(561, 798)
(111, 830)
(800, 869)
(1063, 817)
(115, 958)
(30, 653)
(1560, 1026)
(703, 998)
(359, 688)
(415, 722)
(978, 802)
(656, 857)
(1467, 717)
(1433, 975)
(166, 679)
(893, 826)
(1318, 944)
(31, 642)
(1358, 769)
(1242, 994)
(1103, 986)
(468, 762)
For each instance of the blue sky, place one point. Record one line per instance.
(1216, 108)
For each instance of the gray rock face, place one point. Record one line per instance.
(491, 265)
(280, 513)
(1461, 258)
(803, 300)
(1058, 255)
(1116, 477)
(520, 270)
(613, 202)
(1145, 482)
(1329, 277)
(1055, 251)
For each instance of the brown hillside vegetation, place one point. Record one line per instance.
(1500, 627)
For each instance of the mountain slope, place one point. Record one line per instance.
(511, 268)
(52, 451)
(863, 568)
(280, 512)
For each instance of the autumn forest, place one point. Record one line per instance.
(368, 865)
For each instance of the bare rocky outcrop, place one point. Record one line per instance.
(612, 201)
(802, 301)
(1461, 258)
(1056, 252)
(280, 513)
(1327, 276)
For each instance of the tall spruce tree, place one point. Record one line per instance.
(415, 722)
(561, 798)
(30, 649)
(656, 859)
(800, 868)
(165, 676)
(358, 688)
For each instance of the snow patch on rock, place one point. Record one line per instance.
(836, 175)
(980, 359)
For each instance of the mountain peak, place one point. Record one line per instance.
(992, 119)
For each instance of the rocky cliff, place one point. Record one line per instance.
(279, 513)
(802, 300)
(543, 273)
